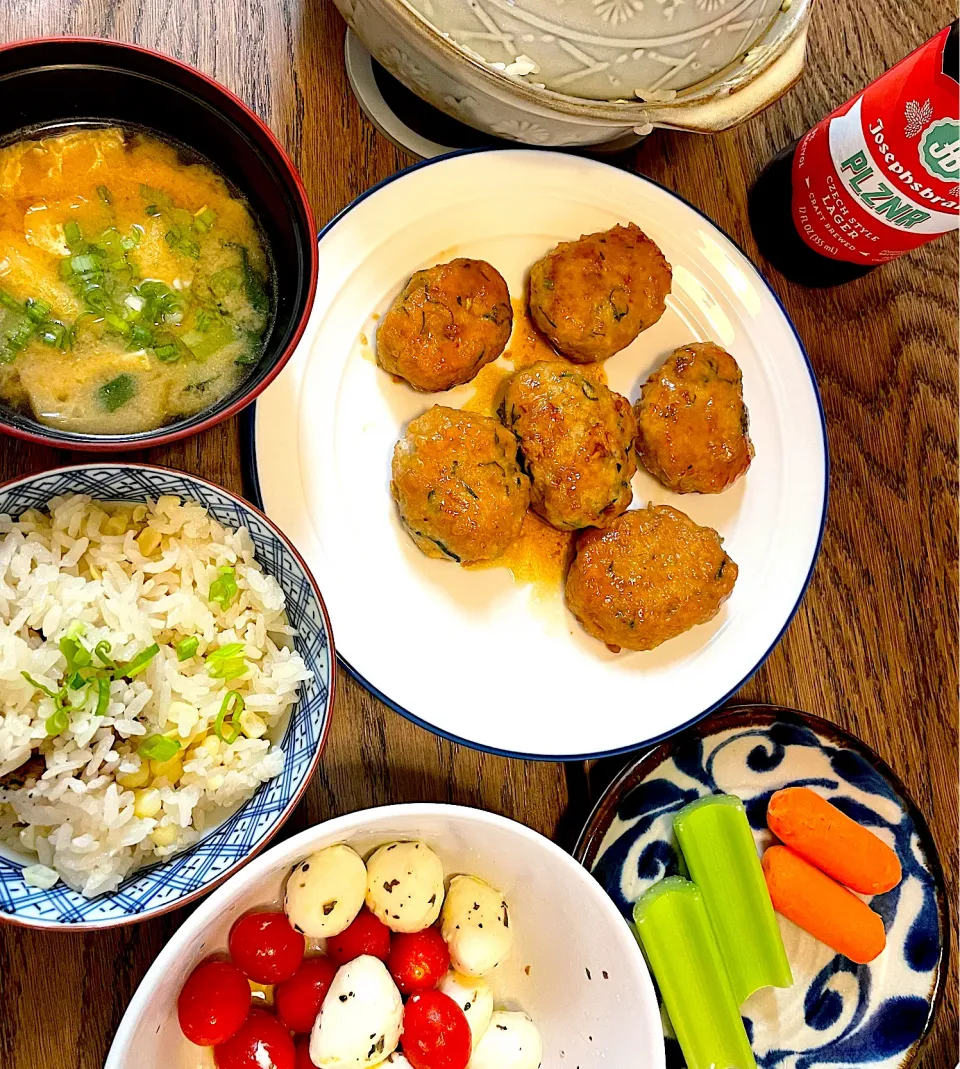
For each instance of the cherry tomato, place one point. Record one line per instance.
(366, 935)
(298, 1000)
(267, 947)
(304, 1061)
(435, 1032)
(213, 1003)
(261, 1043)
(418, 960)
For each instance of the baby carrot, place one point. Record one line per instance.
(819, 905)
(829, 839)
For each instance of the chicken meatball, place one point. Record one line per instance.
(449, 322)
(692, 422)
(592, 297)
(648, 577)
(576, 442)
(458, 485)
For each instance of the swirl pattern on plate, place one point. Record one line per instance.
(836, 1013)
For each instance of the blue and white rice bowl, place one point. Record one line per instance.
(836, 1013)
(228, 838)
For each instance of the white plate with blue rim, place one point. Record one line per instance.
(836, 1013)
(185, 876)
(472, 654)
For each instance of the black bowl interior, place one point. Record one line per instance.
(61, 82)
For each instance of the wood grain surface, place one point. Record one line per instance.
(874, 645)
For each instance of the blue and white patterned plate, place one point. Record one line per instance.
(837, 1013)
(186, 876)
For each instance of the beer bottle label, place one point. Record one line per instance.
(881, 175)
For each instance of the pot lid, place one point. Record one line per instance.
(605, 49)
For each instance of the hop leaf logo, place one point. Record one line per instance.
(917, 116)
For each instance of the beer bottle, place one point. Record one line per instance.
(876, 178)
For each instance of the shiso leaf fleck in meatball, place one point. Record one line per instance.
(576, 440)
(693, 425)
(592, 297)
(648, 577)
(448, 322)
(458, 485)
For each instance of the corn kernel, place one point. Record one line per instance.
(195, 742)
(132, 780)
(170, 770)
(165, 835)
(117, 524)
(251, 725)
(140, 513)
(211, 744)
(147, 803)
(148, 541)
(95, 572)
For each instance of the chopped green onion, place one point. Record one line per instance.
(140, 662)
(57, 723)
(39, 686)
(141, 337)
(80, 265)
(117, 392)
(224, 589)
(204, 219)
(104, 194)
(158, 748)
(78, 682)
(223, 653)
(168, 354)
(227, 724)
(152, 209)
(187, 647)
(10, 302)
(102, 652)
(77, 655)
(226, 280)
(115, 321)
(72, 232)
(37, 310)
(103, 695)
(77, 629)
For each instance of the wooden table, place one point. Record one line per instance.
(874, 644)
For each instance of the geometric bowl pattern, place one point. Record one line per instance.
(173, 882)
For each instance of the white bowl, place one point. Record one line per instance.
(587, 988)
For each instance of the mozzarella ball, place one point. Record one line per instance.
(325, 892)
(476, 926)
(511, 1042)
(473, 995)
(405, 886)
(361, 1017)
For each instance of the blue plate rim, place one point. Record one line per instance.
(13, 919)
(590, 837)
(252, 482)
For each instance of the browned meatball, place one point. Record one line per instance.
(458, 485)
(449, 322)
(592, 297)
(576, 440)
(648, 577)
(693, 423)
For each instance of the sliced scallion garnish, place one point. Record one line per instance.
(227, 724)
(158, 748)
(187, 647)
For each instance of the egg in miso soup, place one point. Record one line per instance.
(134, 286)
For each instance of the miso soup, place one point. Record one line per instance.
(134, 286)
